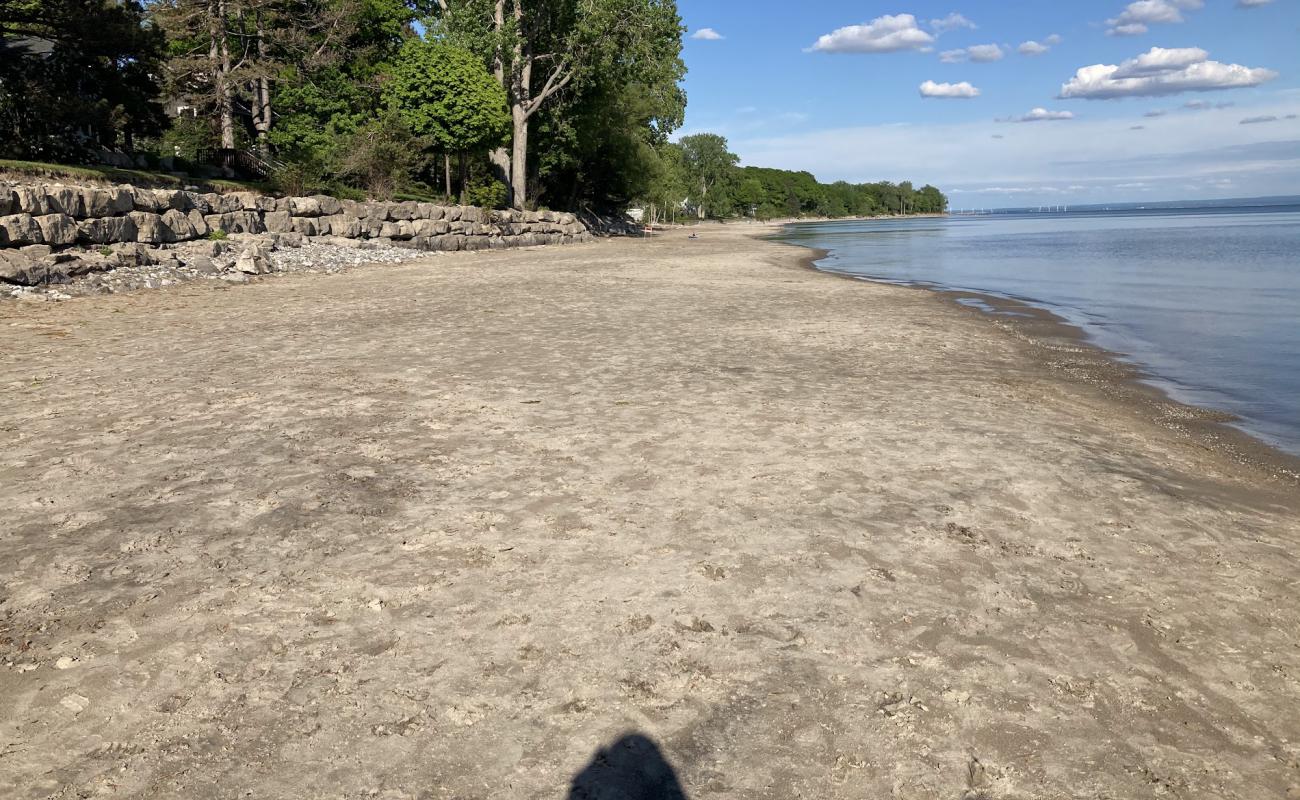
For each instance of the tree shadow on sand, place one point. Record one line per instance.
(632, 768)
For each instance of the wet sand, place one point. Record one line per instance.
(445, 529)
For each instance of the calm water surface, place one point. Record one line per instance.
(1207, 301)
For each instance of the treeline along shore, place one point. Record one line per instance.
(560, 104)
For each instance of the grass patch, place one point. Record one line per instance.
(135, 177)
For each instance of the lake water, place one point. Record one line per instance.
(1206, 301)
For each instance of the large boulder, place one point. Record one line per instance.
(329, 206)
(247, 200)
(106, 230)
(32, 200)
(343, 225)
(407, 210)
(57, 229)
(147, 200)
(304, 207)
(106, 202)
(277, 221)
(181, 226)
(8, 201)
(133, 254)
(150, 228)
(64, 200)
(253, 261)
(18, 268)
(198, 223)
(305, 225)
(20, 229)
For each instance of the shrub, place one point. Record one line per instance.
(217, 235)
(488, 193)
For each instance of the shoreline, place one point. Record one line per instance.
(810, 538)
(1067, 348)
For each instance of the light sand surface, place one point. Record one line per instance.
(441, 530)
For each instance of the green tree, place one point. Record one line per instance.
(538, 49)
(709, 168)
(75, 74)
(444, 94)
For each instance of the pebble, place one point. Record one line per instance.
(65, 662)
(202, 260)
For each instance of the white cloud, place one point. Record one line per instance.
(980, 53)
(961, 90)
(984, 53)
(1136, 16)
(1160, 59)
(1054, 39)
(1032, 48)
(1160, 72)
(1040, 115)
(1252, 3)
(707, 34)
(1202, 105)
(951, 22)
(887, 34)
(1258, 120)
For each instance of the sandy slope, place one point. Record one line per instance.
(441, 530)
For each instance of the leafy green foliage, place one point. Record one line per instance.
(74, 67)
(382, 155)
(445, 94)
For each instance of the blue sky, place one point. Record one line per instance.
(1010, 102)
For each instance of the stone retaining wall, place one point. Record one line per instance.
(61, 216)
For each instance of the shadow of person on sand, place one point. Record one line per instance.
(632, 768)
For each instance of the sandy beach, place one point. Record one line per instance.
(447, 528)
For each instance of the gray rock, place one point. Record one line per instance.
(329, 206)
(17, 268)
(265, 203)
(180, 225)
(8, 201)
(20, 229)
(253, 261)
(304, 207)
(471, 214)
(407, 210)
(58, 229)
(32, 200)
(348, 227)
(277, 221)
(202, 265)
(147, 200)
(198, 223)
(391, 230)
(247, 201)
(64, 200)
(305, 225)
(235, 277)
(451, 213)
(106, 202)
(37, 251)
(150, 228)
(133, 255)
(281, 240)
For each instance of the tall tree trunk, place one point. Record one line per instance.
(219, 55)
(262, 92)
(446, 164)
(519, 159)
